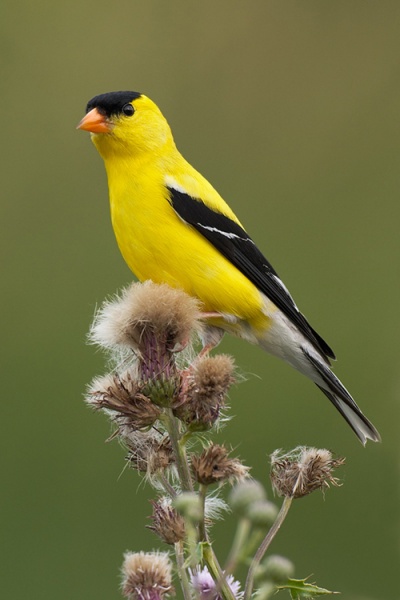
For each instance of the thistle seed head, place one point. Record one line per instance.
(122, 395)
(146, 576)
(303, 470)
(155, 321)
(149, 452)
(168, 313)
(206, 388)
(214, 465)
(167, 523)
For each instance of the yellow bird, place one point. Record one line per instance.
(173, 227)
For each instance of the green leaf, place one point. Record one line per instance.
(301, 589)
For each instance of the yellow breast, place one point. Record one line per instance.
(158, 245)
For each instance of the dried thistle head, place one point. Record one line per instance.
(168, 524)
(155, 321)
(146, 576)
(206, 386)
(303, 470)
(169, 313)
(214, 465)
(149, 452)
(122, 395)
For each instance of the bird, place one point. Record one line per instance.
(173, 227)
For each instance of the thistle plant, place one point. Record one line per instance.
(165, 401)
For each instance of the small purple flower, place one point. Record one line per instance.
(207, 588)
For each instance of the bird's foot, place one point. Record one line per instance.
(231, 319)
(179, 346)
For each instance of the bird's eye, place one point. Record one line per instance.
(128, 110)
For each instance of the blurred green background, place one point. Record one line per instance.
(291, 109)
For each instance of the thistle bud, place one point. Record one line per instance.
(168, 524)
(188, 504)
(303, 470)
(266, 591)
(214, 466)
(262, 513)
(244, 494)
(278, 568)
(146, 576)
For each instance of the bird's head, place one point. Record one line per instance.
(125, 124)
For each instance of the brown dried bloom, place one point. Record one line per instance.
(169, 313)
(149, 452)
(206, 387)
(155, 321)
(303, 470)
(168, 524)
(122, 395)
(146, 576)
(214, 466)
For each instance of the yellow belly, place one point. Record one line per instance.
(157, 245)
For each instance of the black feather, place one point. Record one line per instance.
(111, 103)
(234, 243)
(337, 390)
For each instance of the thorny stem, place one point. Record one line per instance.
(265, 544)
(172, 426)
(241, 535)
(182, 574)
(209, 555)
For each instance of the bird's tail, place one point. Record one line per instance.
(333, 389)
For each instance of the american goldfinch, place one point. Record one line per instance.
(173, 227)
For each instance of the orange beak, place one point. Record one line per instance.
(95, 122)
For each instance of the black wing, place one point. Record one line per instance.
(234, 243)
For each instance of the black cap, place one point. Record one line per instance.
(112, 102)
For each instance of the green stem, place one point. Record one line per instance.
(216, 572)
(253, 542)
(172, 425)
(182, 574)
(186, 437)
(202, 525)
(264, 546)
(166, 485)
(208, 553)
(239, 541)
